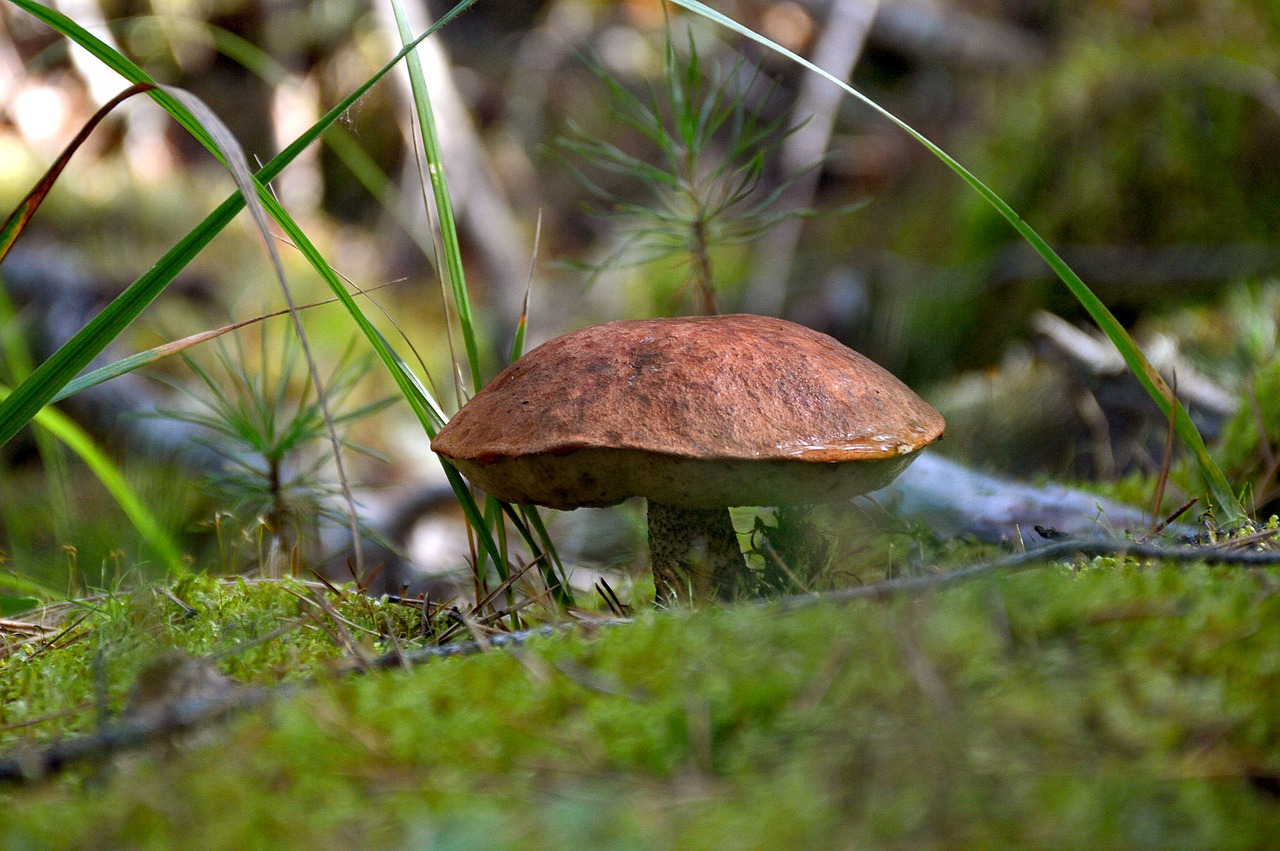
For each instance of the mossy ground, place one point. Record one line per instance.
(1105, 705)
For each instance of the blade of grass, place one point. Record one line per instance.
(236, 162)
(493, 527)
(1219, 489)
(522, 325)
(59, 369)
(18, 219)
(158, 353)
(444, 205)
(458, 288)
(493, 523)
(78, 441)
(424, 407)
(553, 572)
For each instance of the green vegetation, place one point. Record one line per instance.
(1108, 703)
(274, 488)
(700, 196)
(1105, 704)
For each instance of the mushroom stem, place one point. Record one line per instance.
(694, 554)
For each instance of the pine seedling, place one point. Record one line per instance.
(702, 186)
(274, 481)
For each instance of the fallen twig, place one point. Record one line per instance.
(30, 764)
(1087, 547)
(184, 715)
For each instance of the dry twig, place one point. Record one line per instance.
(197, 712)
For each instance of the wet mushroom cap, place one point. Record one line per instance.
(694, 412)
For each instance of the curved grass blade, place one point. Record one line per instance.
(78, 441)
(236, 162)
(18, 219)
(60, 368)
(1219, 489)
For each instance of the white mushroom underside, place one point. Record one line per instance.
(601, 477)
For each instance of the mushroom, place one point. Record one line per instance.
(695, 414)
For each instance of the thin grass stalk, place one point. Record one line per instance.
(553, 572)
(457, 282)
(522, 324)
(21, 216)
(452, 249)
(444, 205)
(493, 517)
(1219, 489)
(145, 358)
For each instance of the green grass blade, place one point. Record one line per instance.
(150, 356)
(462, 301)
(493, 521)
(1219, 489)
(491, 530)
(522, 325)
(553, 572)
(444, 206)
(424, 407)
(78, 441)
(50, 377)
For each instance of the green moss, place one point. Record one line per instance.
(108, 640)
(1111, 704)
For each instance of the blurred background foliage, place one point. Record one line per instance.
(1138, 136)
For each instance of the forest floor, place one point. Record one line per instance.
(1108, 702)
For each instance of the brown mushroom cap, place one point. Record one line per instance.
(695, 412)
